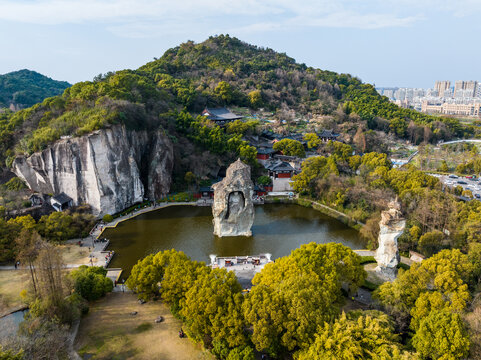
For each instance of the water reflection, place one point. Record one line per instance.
(9, 324)
(278, 229)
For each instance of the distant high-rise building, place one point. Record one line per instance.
(470, 85)
(419, 92)
(448, 93)
(458, 85)
(465, 88)
(389, 93)
(442, 86)
(400, 94)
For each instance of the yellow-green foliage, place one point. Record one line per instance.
(290, 147)
(75, 122)
(358, 335)
(213, 308)
(442, 335)
(255, 98)
(14, 184)
(446, 272)
(435, 293)
(241, 127)
(64, 225)
(295, 295)
(312, 139)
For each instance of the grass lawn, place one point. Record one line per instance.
(372, 275)
(74, 254)
(11, 283)
(110, 332)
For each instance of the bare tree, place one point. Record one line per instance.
(49, 266)
(360, 140)
(28, 245)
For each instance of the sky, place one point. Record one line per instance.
(403, 43)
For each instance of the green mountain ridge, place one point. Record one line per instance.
(24, 88)
(219, 71)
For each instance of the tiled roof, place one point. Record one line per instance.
(266, 151)
(328, 133)
(279, 166)
(220, 114)
(62, 198)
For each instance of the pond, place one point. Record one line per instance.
(277, 229)
(9, 324)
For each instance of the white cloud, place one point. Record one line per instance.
(143, 18)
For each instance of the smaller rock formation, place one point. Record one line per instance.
(232, 208)
(391, 226)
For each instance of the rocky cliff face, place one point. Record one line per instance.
(391, 227)
(232, 208)
(109, 169)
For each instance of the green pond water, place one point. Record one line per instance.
(277, 229)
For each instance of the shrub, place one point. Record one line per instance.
(60, 226)
(264, 180)
(108, 218)
(367, 260)
(369, 285)
(90, 282)
(14, 184)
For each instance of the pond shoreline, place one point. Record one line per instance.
(113, 224)
(278, 229)
(324, 209)
(13, 310)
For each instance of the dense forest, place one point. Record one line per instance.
(25, 88)
(219, 71)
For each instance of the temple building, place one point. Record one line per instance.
(280, 169)
(328, 135)
(220, 116)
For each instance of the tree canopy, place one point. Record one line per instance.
(91, 282)
(356, 335)
(290, 147)
(296, 294)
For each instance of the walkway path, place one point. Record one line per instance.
(97, 231)
(98, 248)
(459, 141)
(404, 259)
(332, 210)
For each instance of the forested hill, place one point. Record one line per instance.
(25, 88)
(219, 71)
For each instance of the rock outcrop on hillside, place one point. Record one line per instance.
(391, 227)
(233, 209)
(109, 169)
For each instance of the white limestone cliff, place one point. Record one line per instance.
(233, 209)
(391, 227)
(108, 169)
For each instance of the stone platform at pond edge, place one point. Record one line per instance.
(245, 267)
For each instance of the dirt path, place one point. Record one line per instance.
(110, 332)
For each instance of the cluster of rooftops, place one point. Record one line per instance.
(278, 165)
(222, 116)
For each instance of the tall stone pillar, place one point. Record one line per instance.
(233, 209)
(391, 227)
